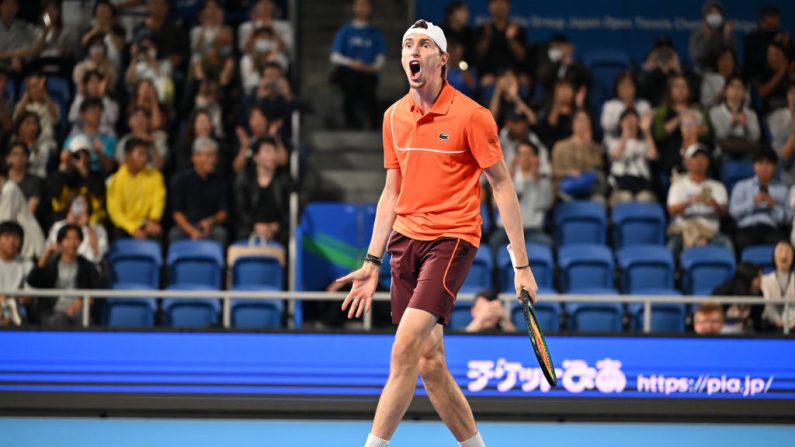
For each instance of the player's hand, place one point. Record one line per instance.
(360, 297)
(524, 279)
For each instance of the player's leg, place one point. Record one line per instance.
(445, 394)
(415, 326)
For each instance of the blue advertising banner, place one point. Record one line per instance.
(357, 365)
(631, 26)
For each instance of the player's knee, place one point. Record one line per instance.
(405, 353)
(432, 366)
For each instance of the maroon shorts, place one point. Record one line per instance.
(426, 275)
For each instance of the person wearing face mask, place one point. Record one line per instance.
(264, 50)
(96, 60)
(262, 14)
(555, 61)
(146, 63)
(705, 43)
(756, 42)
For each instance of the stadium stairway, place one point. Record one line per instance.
(347, 163)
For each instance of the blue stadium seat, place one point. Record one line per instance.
(548, 315)
(761, 255)
(638, 223)
(130, 312)
(185, 312)
(595, 316)
(705, 268)
(580, 222)
(645, 267)
(732, 171)
(585, 266)
(196, 262)
(543, 265)
(605, 66)
(665, 317)
(480, 275)
(256, 314)
(257, 270)
(461, 316)
(135, 262)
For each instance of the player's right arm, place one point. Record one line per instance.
(365, 279)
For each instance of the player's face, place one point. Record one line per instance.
(422, 61)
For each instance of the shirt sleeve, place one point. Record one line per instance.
(338, 46)
(390, 158)
(483, 139)
(158, 199)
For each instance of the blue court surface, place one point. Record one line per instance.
(61, 432)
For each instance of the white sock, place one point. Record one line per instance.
(375, 441)
(475, 441)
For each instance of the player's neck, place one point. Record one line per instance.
(426, 95)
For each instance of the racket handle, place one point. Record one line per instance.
(526, 297)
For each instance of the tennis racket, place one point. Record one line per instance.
(538, 341)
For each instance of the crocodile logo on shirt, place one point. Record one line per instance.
(444, 136)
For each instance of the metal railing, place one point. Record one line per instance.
(508, 300)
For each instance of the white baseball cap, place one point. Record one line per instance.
(79, 142)
(428, 29)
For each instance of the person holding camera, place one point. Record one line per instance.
(74, 177)
(759, 204)
(488, 314)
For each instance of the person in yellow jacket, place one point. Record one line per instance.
(136, 194)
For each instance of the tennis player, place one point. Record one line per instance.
(437, 142)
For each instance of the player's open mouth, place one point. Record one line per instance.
(414, 67)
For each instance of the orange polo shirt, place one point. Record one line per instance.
(441, 155)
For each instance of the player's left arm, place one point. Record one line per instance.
(508, 204)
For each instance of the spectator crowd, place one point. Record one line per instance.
(170, 120)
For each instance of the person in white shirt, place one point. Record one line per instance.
(629, 155)
(516, 130)
(535, 197)
(95, 241)
(696, 204)
(736, 125)
(715, 80)
(782, 135)
(262, 15)
(626, 91)
(777, 285)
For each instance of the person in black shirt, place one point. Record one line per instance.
(199, 197)
(772, 83)
(756, 41)
(555, 61)
(32, 186)
(456, 28)
(501, 43)
(261, 195)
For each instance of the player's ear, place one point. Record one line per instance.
(445, 56)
